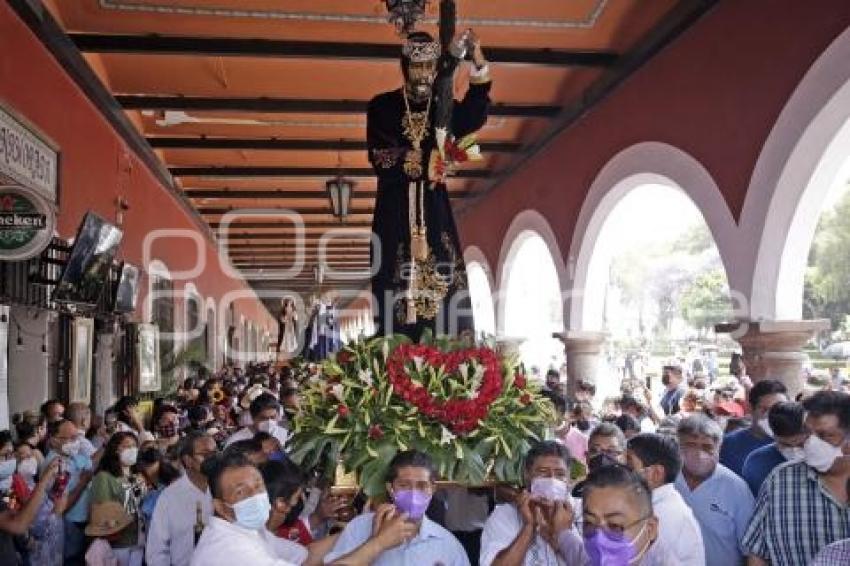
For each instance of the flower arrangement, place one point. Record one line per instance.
(451, 154)
(473, 411)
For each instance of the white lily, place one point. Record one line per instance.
(447, 436)
(337, 391)
(477, 379)
(365, 376)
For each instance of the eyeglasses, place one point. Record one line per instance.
(616, 532)
(612, 453)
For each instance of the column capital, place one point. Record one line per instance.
(772, 349)
(584, 362)
(582, 340)
(508, 345)
(774, 335)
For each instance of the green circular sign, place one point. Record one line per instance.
(26, 223)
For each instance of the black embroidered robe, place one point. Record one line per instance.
(388, 147)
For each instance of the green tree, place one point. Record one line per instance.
(826, 291)
(705, 301)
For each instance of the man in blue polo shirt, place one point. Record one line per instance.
(738, 445)
(786, 422)
(721, 501)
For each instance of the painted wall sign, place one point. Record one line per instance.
(26, 223)
(26, 159)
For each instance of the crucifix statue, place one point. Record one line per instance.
(413, 136)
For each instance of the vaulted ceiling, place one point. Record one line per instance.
(257, 103)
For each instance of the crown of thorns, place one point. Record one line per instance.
(421, 52)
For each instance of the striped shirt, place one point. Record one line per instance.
(795, 517)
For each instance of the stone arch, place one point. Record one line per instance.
(480, 278)
(806, 148)
(526, 224)
(646, 163)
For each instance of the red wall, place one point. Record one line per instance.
(94, 163)
(715, 93)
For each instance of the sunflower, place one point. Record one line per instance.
(217, 395)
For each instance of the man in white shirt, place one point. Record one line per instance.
(511, 535)
(235, 535)
(400, 533)
(656, 457)
(265, 414)
(171, 536)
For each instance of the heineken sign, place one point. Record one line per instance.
(26, 159)
(26, 223)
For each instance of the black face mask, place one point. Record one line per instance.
(601, 461)
(294, 513)
(583, 425)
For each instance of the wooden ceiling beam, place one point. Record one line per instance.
(279, 194)
(291, 236)
(272, 224)
(298, 106)
(288, 240)
(278, 256)
(212, 211)
(277, 171)
(308, 247)
(292, 145)
(288, 49)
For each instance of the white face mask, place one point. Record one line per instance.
(791, 453)
(71, 448)
(765, 426)
(552, 489)
(268, 426)
(28, 467)
(128, 456)
(820, 454)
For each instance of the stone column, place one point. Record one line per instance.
(509, 345)
(773, 349)
(583, 349)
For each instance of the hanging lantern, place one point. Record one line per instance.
(340, 190)
(404, 14)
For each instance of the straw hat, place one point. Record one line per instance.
(107, 518)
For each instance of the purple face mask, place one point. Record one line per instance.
(606, 550)
(413, 502)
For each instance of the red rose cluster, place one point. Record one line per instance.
(461, 416)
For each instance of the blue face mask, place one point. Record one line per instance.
(253, 512)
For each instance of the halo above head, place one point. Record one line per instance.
(421, 51)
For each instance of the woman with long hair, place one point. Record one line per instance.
(116, 481)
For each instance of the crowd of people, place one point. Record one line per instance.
(738, 473)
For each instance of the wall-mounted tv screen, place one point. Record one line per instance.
(85, 274)
(127, 289)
